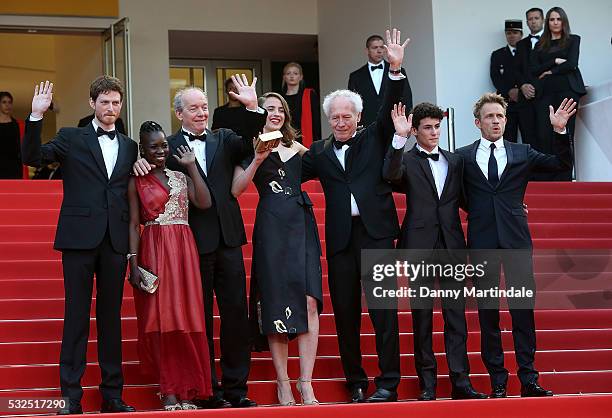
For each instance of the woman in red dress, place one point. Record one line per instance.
(172, 344)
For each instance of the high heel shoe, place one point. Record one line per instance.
(298, 386)
(279, 382)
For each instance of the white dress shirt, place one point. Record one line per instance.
(534, 40)
(198, 147)
(110, 149)
(512, 50)
(377, 75)
(439, 168)
(484, 151)
(341, 155)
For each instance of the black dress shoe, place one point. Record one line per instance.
(71, 408)
(382, 395)
(467, 392)
(499, 391)
(213, 403)
(116, 405)
(427, 395)
(243, 402)
(533, 390)
(357, 395)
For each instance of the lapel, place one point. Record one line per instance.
(179, 140)
(451, 166)
(328, 150)
(368, 80)
(475, 146)
(121, 154)
(509, 160)
(91, 139)
(424, 164)
(385, 78)
(212, 143)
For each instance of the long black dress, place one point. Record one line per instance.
(286, 252)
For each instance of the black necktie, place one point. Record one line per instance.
(493, 176)
(376, 67)
(340, 144)
(434, 157)
(193, 137)
(101, 132)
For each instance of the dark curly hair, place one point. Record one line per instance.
(425, 110)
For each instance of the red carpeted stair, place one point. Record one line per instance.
(574, 346)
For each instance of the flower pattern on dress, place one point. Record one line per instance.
(276, 188)
(177, 207)
(288, 312)
(280, 326)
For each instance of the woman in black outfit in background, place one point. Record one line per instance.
(554, 62)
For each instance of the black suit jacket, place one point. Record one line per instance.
(362, 177)
(222, 222)
(426, 213)
(360, 82)
(505, 74)
(496, 217)
(92, 202)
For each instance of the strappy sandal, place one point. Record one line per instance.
(298, 386)
(278, 393)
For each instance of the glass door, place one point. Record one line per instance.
(116, 50)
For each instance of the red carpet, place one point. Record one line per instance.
(574, 346)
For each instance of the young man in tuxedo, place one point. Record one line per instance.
(370, 81)
(92, 233)
(496, 173)
(219, 231)
(432, 179)
(359, 214)
(505, 72)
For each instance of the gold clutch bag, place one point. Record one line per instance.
(267, 141)
(151, 281)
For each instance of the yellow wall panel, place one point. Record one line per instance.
(107, 8)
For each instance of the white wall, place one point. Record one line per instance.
(149, 38)
(465, 34)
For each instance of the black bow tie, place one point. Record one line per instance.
(101, 132)
(376, 67)
(434, 157)
(340, 144)
(534, 36)
(193, 137)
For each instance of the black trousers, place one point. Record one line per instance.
(522, 118)
(223, 276)
(79, 267)
(518, 272)
(455, 336)
(345, 291)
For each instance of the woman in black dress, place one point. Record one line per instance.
(554, 62)
(286, 292)
(10, 157)
(303, 104)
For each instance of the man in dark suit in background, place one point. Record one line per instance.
(92, 233)
(219, 231)
(359, 214)
(496, 173)
(529, 85)
(506, 76)
(432, 179)
(370, 81)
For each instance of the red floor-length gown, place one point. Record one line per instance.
(172, 342)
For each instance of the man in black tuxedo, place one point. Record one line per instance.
(496, 173)
(432, 179)
(529, 85)
(92, 233)
(219, 231)
(359, 214)
(506, 76)
(371, 81)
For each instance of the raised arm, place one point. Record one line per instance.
(395, 55)
(33, 153)
(198, 191)
(393, 168)
(243, 176)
